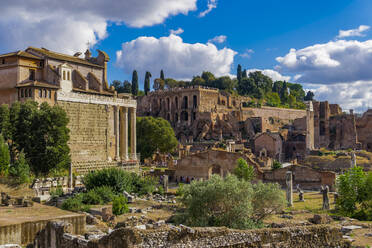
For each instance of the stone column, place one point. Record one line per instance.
(123, 134)
(133, 139)
(289, 193)
(117, 133)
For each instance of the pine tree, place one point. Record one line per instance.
(162, 75)
(147, 82)
(239, 73)
(135, 83)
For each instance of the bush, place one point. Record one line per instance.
(276, 165)
(4, 157)
(229, 202)
(119, 205)
(92, 198)
(57, 192)
(355, 193)
(243, 170)
(75, 204)
(118, 180)
(144, 185)
(20, 170)
(105, 193)
(180, 190)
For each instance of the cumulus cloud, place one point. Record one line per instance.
(274, 75)
(212, 4)
(247, 53)
(218, 39)
(353, 32)
(178, 59)
(330, 63)
(68, 25)
(177, 31)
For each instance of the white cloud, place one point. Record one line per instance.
(247, 54)
(67, 26)
(177, 31)
(274, 75)
(212, 4)
(218, 39)
(178, 59)
(330, 63)
(353, 32)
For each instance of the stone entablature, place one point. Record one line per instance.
(95, 99)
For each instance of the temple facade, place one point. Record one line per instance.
(99, 117)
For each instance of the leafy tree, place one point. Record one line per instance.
(209, 78)
(198, 81)
(243, 170)
(147, 82)
(284, 97)
(135, 83)
(171, 83)
(20, 169)
(228, 202)
(244, 75)
(262, 81)
(309, 96)
(273, 99)
(4, 157)
(277, 87)
(154, 134)
(297, 91)
(354, 188)
(224, 83)
(117, 85)
(159, 84)
(239, 74)
(127, 87)
(162, 75)
(5, 121)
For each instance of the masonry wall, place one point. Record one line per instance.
(92, 134)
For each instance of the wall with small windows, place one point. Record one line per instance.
(45, 95)
(66, 77)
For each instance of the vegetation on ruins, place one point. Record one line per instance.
(40, 132)
(229, 202)
(154, 134)
(243, 170)
(354, 189)
(119, 205)
(276, 165)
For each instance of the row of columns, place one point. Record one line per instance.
(121, 131)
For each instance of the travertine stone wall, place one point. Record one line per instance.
(92, 136)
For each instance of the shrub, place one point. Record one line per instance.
(105, 193)
(228, 202)
(92, 198)
(20, 169)
(243, 170)
(180, 190)
(57, 192)
(75, 204)
(276, 165)
(119, 205)
(118, 180)
(145, 185)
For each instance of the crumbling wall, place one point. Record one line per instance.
(316, 236)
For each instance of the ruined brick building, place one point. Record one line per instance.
(98, 116)
(201, 114)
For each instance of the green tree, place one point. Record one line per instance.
(244, 75)
(309, 96)
(297, 91)
(5, 121)
(147, 83)
(171, 83)
(135, 83)
(198, 81)
(273, 99)
(127, 87)
(118, 86)
(239, 74)
(243, 170)
(209, 78)
(276, 165)
(154, 134)
(162, 77)
(262, 81)
(20, 169)
(4, 157)
(229, 202)
(284, 97)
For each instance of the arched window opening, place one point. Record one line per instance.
(176, 102)
(176, 117)
(195, 101)
(45, 93)
(22, 93)
(184, 116)
(185, 102)
(64, 75)
(49, 94)
(68, 76)
(30, 92)
(26, 92)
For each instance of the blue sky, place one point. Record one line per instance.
(255, 34)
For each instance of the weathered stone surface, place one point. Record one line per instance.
(321, 219)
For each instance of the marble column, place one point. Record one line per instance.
(133, 139)
(123, 134)
(289, 192)
(117, 133)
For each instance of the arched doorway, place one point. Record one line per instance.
(215, 170)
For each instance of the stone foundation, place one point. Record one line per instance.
(85, 167)
(316, 236)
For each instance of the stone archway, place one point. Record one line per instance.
(215, 170)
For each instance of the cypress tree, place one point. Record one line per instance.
(239, 73)
(162, 75)
(135, 83)
(147, 82)
(245, 74)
